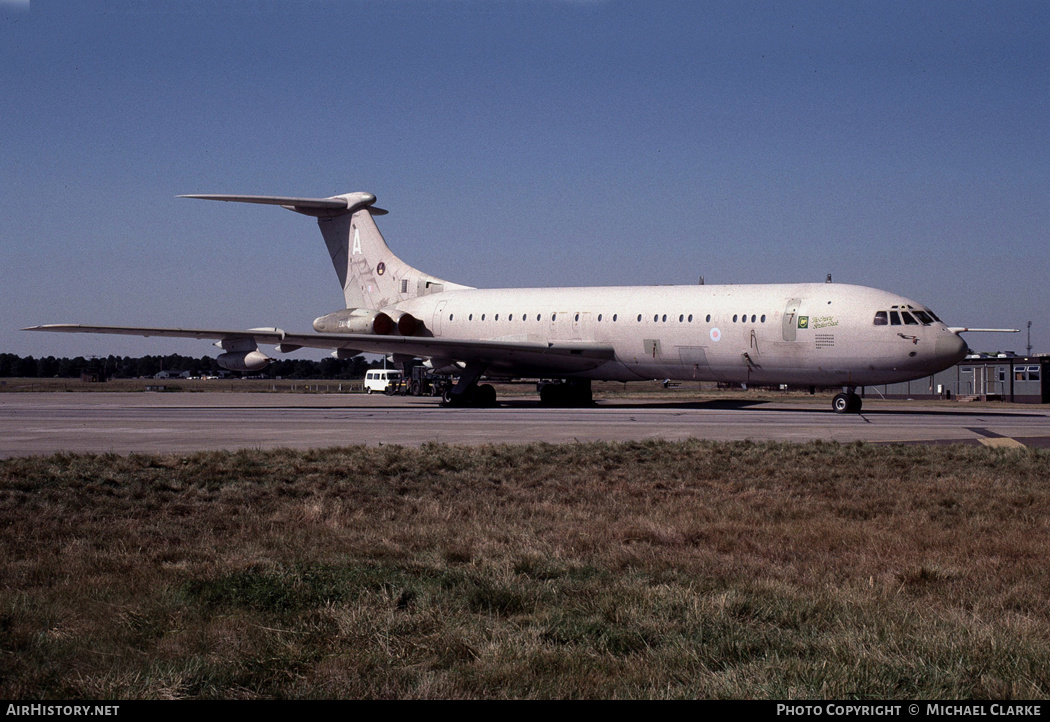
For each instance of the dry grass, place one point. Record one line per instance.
(650, 569)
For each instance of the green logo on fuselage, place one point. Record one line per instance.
(803, 321)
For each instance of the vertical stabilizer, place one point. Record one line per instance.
(370, 274)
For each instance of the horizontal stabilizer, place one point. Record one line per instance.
(318, 207)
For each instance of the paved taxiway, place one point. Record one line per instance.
(45, 423)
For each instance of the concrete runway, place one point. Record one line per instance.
(45, 423)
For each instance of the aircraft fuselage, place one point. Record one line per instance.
(802, 334)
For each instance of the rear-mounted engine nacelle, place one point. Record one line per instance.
(407, 324)
(367, 320)
(243, 361)
(355, 320)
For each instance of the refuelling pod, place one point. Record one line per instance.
(355, 320)
(242, 354)
(244, 361)
(444, 365)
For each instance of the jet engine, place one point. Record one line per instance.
(407, 324)
(367, 320)
(355, 320)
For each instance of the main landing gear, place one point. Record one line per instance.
(847, 402)
(482, 395)
(573, 392)
(467, 392)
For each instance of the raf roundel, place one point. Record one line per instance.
(716, 335)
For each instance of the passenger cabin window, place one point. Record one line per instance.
(881, 318)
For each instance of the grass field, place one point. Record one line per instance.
(648, 570)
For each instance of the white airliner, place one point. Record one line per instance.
(805, 334)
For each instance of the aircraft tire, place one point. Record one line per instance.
(841, 404)
(457, 400)
(846, 403)
(549, 395)
(485, 396)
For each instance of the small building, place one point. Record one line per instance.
(989, 377)
(172, 375)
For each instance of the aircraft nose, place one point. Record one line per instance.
(950, 348)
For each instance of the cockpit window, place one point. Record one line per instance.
(912, 317)
(935, 318)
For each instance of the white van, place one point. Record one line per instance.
(379, 379)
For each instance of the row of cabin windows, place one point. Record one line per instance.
(657, 318)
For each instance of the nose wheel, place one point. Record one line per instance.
(847, 402)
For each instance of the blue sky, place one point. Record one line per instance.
(518, 143)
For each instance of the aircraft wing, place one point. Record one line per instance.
(511, 357)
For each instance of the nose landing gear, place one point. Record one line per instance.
(847, 402)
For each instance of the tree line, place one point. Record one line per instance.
(125, 367)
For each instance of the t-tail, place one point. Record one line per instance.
(371, 276)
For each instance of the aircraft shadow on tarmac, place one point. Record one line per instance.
(763, 405)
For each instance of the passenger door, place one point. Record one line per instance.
(790, 322)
